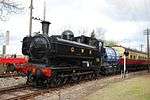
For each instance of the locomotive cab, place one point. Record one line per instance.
(89, 41)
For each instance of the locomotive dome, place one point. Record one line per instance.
(67, 34)
(39, 46)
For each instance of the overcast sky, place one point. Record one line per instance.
(120, 20)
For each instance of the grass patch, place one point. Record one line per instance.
(131, 89)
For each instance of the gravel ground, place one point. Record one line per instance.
(76, 91)
(11, 81)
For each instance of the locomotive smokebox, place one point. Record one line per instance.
(45, 27)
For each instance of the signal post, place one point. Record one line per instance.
(126, 53)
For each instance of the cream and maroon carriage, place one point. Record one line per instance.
(136, 60)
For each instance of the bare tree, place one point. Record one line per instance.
(100, 33)
(110, 43)
(93, 34)
(8, 7)
(83, 31)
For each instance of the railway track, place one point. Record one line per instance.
(13, 88)
(26, 96)
(4, 75)
(24, 93)
(19, 92)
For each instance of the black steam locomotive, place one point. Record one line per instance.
(57, 59)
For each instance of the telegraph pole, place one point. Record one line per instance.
(141, 47)
(148, 51)
(30, 23)
(44, 12)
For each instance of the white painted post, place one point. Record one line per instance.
(124, 74)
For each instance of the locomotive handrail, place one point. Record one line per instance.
(73, 42)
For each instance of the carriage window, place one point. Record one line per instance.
(130, 56)
(139, 57)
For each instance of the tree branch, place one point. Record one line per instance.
(8, 7)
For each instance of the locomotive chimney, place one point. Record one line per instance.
(45, 27)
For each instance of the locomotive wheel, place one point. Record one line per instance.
(56, 81)
(46, 84)
(34, 84)
(29, 79)
(75, 78)
(80, 78)
(90, 76)
(28, 82)
(94, 76)
(65, 79)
